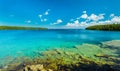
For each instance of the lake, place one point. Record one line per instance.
(17, 43)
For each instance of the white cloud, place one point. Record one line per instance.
(72, 25)
(112, 15)
(93, 19)
(85, 12)
(28, 21)
(40, 16)
(96, 17)
(105, 22)
(101, 16)
(57, 22)
(84, 24)
(44, 19)
(47, 12)
(115, 19)
(84, 16)
(75, 24)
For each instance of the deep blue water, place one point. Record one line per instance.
(17, 43)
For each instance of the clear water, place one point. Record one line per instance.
(24, 43)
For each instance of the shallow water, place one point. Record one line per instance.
(14, 43)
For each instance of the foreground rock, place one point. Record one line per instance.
(85, 57)
(38, 67)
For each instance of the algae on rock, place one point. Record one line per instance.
(69, 59)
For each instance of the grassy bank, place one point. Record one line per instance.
(20, 28)
(107, 27)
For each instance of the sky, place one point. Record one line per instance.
(59, 13)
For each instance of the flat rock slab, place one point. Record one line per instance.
(113, 43)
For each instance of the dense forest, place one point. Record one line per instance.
(107, 27)
(20, 28)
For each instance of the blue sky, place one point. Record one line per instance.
(59, 13)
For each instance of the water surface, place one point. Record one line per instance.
(16, 43)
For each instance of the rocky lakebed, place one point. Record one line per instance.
(85, 57)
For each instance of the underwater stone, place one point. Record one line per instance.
(54, 58)
(38, 67)
(49, 52)
(103, 55)
(113, 43)
(58, 51)
(49, 70)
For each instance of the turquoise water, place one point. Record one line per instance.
(16, 43)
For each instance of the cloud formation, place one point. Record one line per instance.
(84, 16)
(41, 16)
(92, 19)
(115, 19)
(59, 21)
(47, 12)
(76, 23)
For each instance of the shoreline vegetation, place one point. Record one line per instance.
(85, 57)
(21, 28)
(107, 27)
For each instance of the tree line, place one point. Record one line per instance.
(108, 27)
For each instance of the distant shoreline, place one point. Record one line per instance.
(107, 27)
(21, 28)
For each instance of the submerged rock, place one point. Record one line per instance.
(112, 44)
(82, 52)
(85, 57)
(38, 67)
(103, 55)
